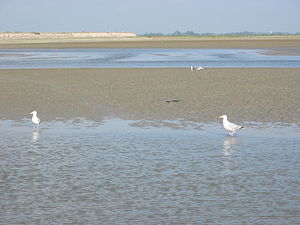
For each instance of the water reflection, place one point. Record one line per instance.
(228, 144)
(35, 136)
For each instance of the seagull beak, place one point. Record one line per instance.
(220, 117)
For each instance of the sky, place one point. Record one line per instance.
(141, 16)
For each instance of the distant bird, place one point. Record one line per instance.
(35, 120)
(195, 68)
(231, 127)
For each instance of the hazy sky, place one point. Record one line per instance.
(140, 16)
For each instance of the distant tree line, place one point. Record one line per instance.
(244, 33)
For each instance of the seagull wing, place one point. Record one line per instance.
(233, 127)
(36, 120)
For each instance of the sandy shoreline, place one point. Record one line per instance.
(156, 42)
(262, 95)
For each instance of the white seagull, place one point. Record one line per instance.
(35, 120)
(194, 68)
(231, 127)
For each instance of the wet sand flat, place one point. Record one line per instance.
(245, 94)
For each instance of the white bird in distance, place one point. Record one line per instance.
(35, 120)
(230, 127)
(195, 68)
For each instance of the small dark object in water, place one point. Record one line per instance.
(175, 100)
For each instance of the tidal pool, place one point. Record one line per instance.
(144, 58)
(148, 172)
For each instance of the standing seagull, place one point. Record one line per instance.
(231, 127)
(35, 120)
(194, 68)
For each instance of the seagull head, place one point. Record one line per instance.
(33, 112)
(223, 117)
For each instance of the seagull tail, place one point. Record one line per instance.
(242, 127)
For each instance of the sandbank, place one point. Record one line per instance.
(259, 42)
(244, 94)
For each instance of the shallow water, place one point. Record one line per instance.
(143, 58)
(148, 172)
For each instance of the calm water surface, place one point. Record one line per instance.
(116, 172)
(142, 58)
